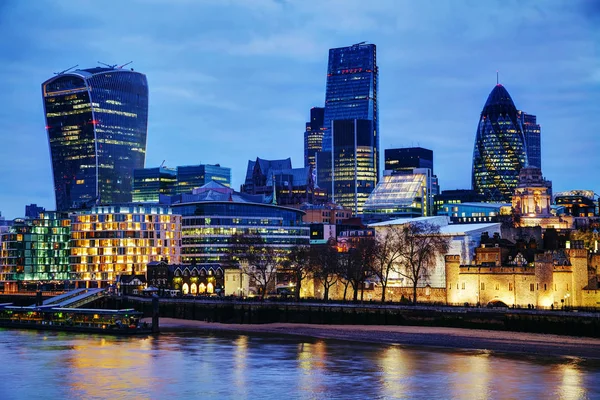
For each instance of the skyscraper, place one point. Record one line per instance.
(353, 159)
(313, 136)
(499, 152)
(532, 133)
(351, 96)
(96, 121)
(408, 158)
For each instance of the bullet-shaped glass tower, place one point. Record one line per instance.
(500, 150)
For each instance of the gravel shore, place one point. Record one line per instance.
(471, 339)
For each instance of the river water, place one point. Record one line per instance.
(50, 365)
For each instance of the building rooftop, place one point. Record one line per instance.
(458, 229)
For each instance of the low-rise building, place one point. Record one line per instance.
(188, 279)
(523, 276)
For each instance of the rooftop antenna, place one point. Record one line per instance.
(358, 44)
(163, 163)
(497, 78)
(66, 70)
(125, 64)
(107, 65)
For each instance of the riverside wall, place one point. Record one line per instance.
(538, 321)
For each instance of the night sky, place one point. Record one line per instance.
(232, 80)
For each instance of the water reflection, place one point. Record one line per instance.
(58, 365)
(312, 361)
(395, 366)
(240, 370)
(572, 383)
(471, 376)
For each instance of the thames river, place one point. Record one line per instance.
(49, 365)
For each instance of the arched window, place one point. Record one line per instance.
(210, 288)
(202, 288)
(193, 289)
(185, 289)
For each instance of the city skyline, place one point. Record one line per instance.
(212, 113)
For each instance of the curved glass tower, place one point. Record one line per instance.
(96, 121)
(500, 151)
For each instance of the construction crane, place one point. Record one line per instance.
(114, 66)
(66, 70)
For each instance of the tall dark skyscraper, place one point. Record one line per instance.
(532, 132)
(408, 158)
(500, 150)
(96, 121)
(313, 136)
(351, 94)
(354, 163)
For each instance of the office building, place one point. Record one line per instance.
(190, 177)
(456, 196)
(500, 150)
(408, 158)
(313, 136)
(351, 94)
(96, 121)
(36, 250)
(401, 194)
(214, 212)
(532, 132)
(150, 183)
(354, 163)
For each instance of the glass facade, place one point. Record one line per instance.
(499, 152)
(401, 195)
(313, 136)
(108, 241)
(354, 163)
(36, 249)
(207, 228)
(150, 183)
(192, 176)
(532, 132)
(96, 120)
(351, 93)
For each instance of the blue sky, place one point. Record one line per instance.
(231, 80)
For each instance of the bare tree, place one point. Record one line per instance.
(358, 266)
(325, 265)
(256, 260)
(298, 264)
(387, 252)
(421, 242)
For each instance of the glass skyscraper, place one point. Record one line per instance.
(351, 95)
(500, 150)
(313, 136)
(96, 121)
(354, 163)
(532, 133)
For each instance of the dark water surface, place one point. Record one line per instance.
(49, 365)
